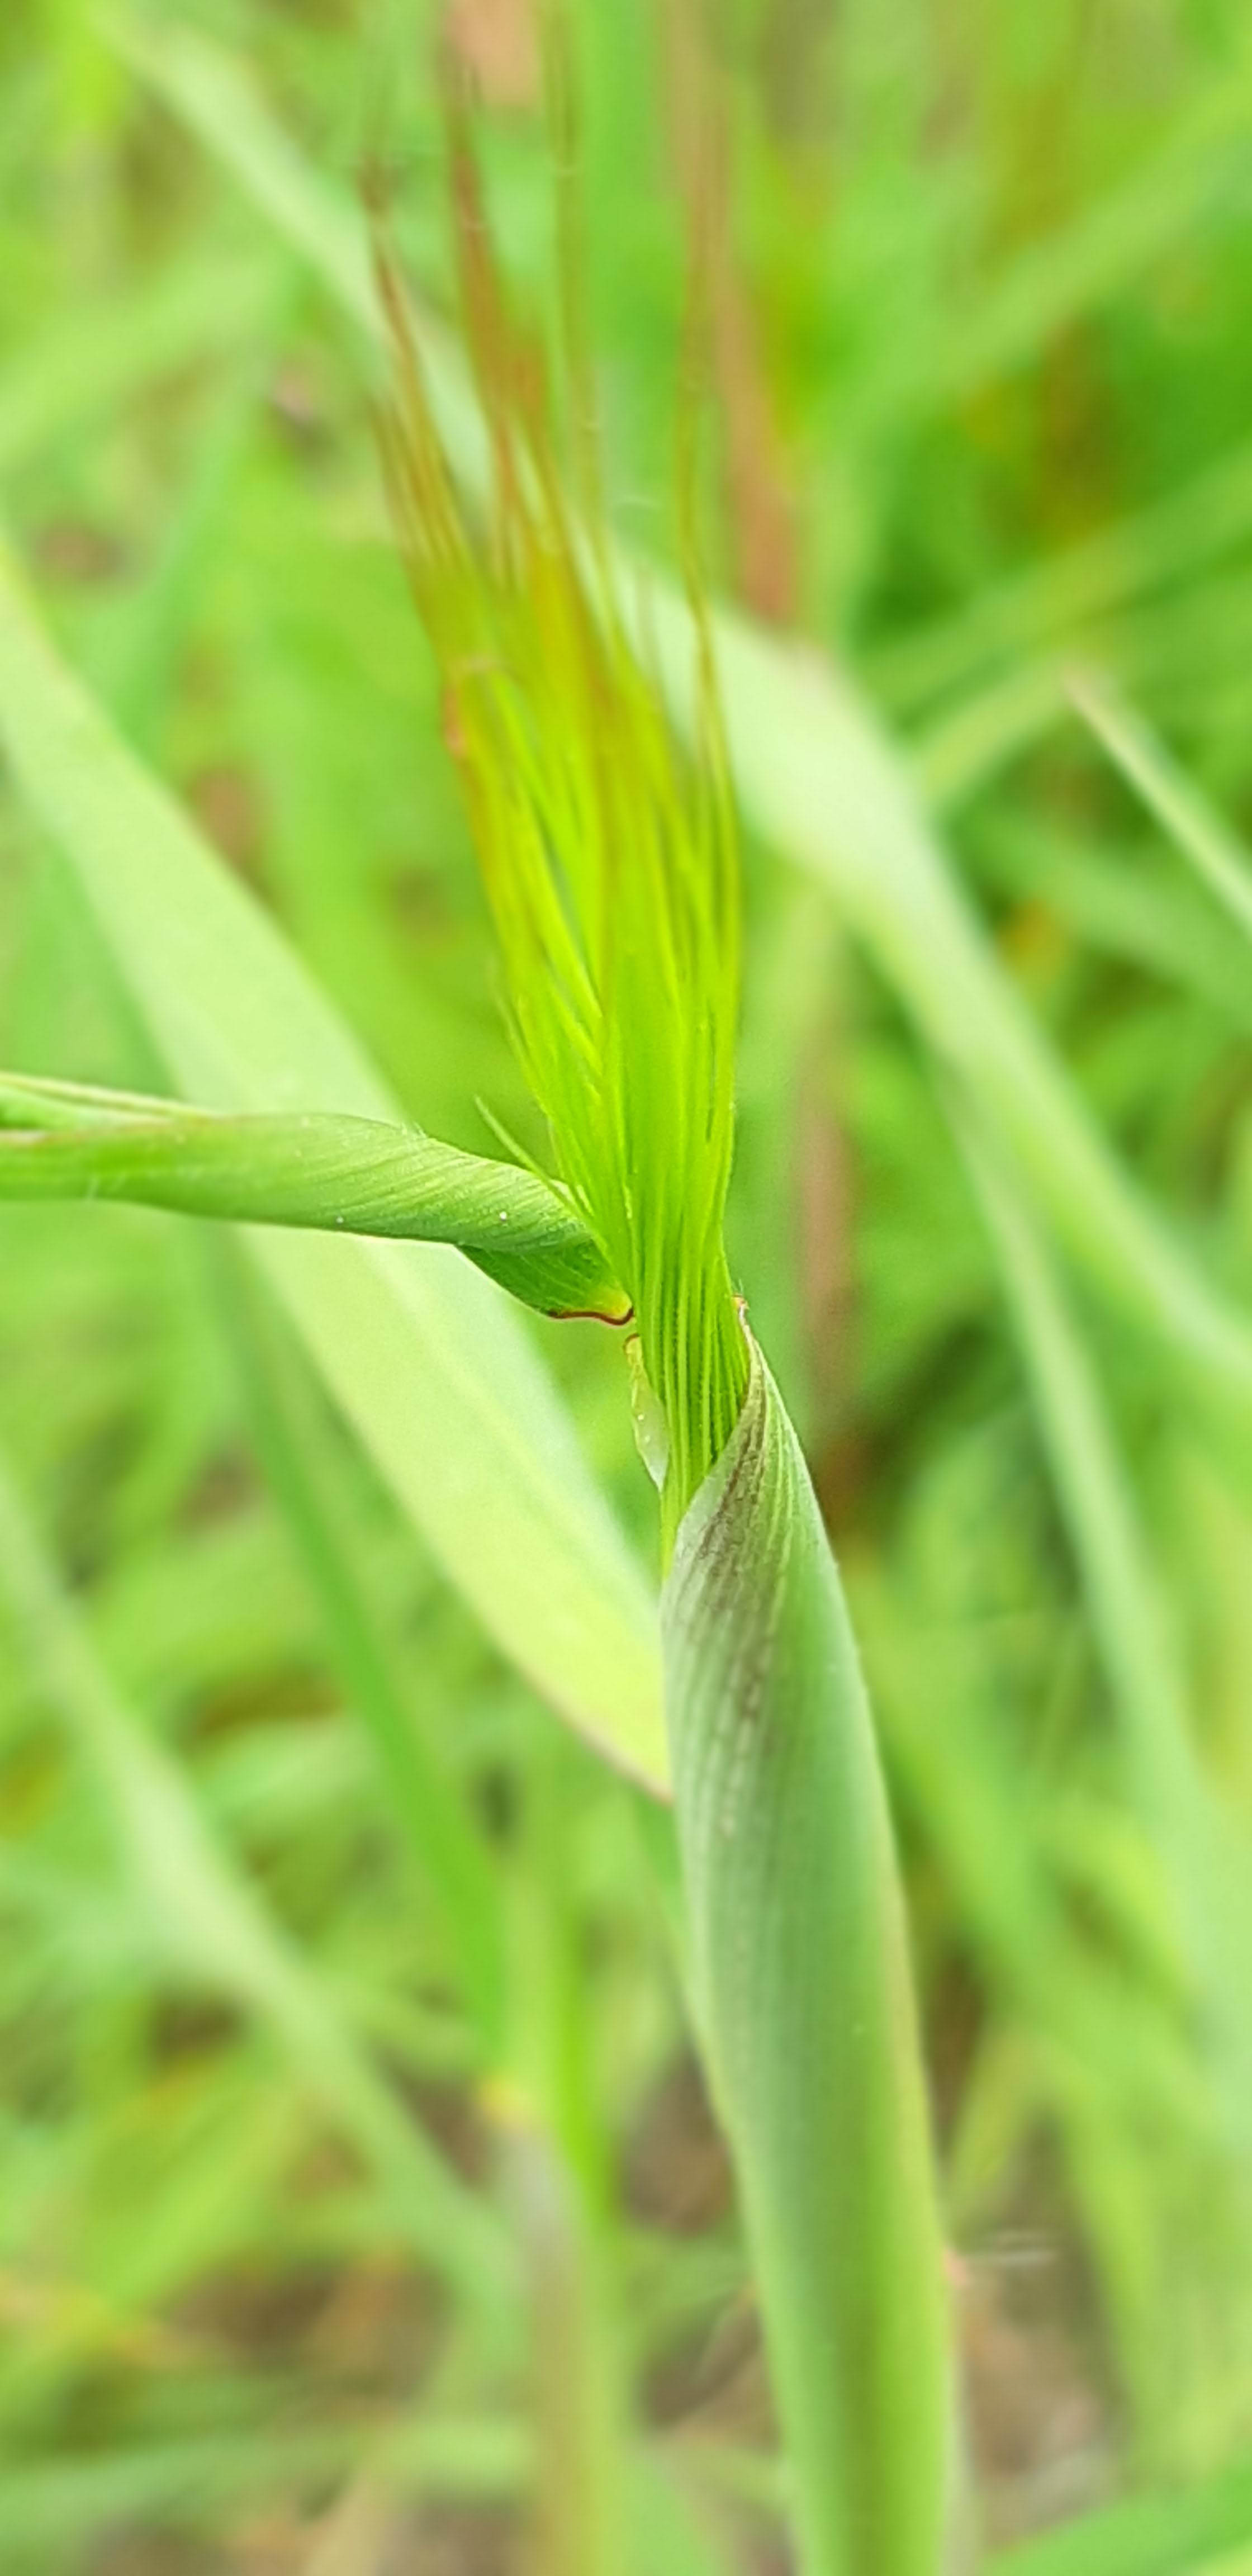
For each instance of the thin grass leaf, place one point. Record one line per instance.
(1195, 178)
(101, 359)
(1170, 2534)
(1218, 856)
(446, 1845)
(957, 755)
(955, 1765)
(144, 632)
(1167, 927)
(1205, 1866)
(1046, 603)
(207, 1924)
(455, 1407)
(74, 2499)
(1185, 650)
(579, 2461)
(815, 775)
(335, 1175)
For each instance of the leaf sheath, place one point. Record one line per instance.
(803, 1993)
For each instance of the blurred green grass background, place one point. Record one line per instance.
(979, 384)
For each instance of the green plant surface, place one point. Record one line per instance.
(330, 1175)
(802, 1990)
(817, 776)
(1215, 853)
(1206, 1864)
(360, 2199)
(232, 1010)
(1153, 2536)
(209, 1927)
(611, 870)
(299, 1461)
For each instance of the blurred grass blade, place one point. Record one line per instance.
(207, 1924)
(1037, 295)
(342, 1175)
(1181, 2534)
(1196, 177)
(207, 90)
(67, 2502)
(1207, 1871)
(1215, 852)
(296, 1456)
(815, 776)
(1052, 599)
(136, 652)
(803, 1995)
(1166, 924)
(821, 781)
(578, 2501)
(200, 78)
(670, 2536)
(423, 1356)
(100, 360)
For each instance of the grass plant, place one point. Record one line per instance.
(851, 966)
(612, 878)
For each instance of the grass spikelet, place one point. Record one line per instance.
(609, 862)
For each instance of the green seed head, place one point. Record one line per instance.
(609, 863)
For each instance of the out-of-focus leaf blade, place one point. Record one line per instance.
(422, 1354)
(1150, 2535)
(819, 777)
(205, 1923)
(1206, 1864)
(290, 1429)
(1217, 856)
(69, 2501)
(85, 363)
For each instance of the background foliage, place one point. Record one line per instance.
(293, 1859)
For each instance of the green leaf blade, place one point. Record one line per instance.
(206, 1923)
(1177, 2534)
(803, 1991)
(308, 1170)
(423, 1356)
(1212, 849)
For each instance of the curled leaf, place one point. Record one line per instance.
(343, 1175)
(803, 1992)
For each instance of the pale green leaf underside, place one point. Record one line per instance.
(421, 1353)
(803, 1993)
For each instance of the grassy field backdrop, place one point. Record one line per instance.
(359, 2206)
